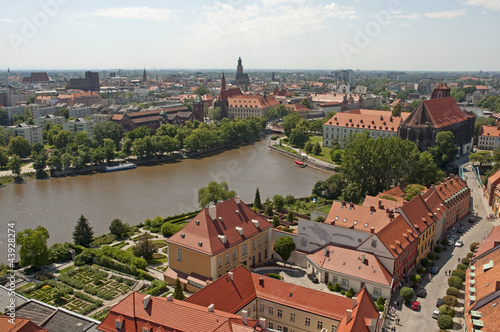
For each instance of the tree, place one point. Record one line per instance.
(407, 293)
(14, 165)
(37, 147)
(33, 244)
(331, 188)
(458, 273)
(201, 90)
(306, 103)
(58, 252)
(63, 139)
(4, 118)
(20, 146)
(445, 309)
(55, 160)
(108, 129)
(269, 210)
(396, 111)
(278, 202)
(481, 157)
(455, 282)
(276, 221)
(256, 201)
(64, 112)
(317, 149)
(118, 228)
(413, 190)
(144, 248)
(299, 137)
(39, 164)
(108, 149)
(445, 149)
(57, 293)
(66, 160)
(289, 216)
(450, 300)
(308, 148)
(453, 291)
(4, 158)
(284, 247)
(214, 192)
(290, 121)
(445, 322)
(178, 292)
(83, 233)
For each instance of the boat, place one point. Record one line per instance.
(300, 163)
(120, 167)
(487, 113)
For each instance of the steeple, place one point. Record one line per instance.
(8, 76)
(239, 68)
(223, 83)
(144, 77)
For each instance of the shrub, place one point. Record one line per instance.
(462, 267)
(450, 300)
(459, 273)
(465, 260)
(274, 138)
(418, 278)
(84, 258)
(285, 139)
(320, 219)
(425, 262)
(336, 287)
(157, 287)
(407, 293)
(470, 254)
(438, 249)
(125, 257)
(381, 300)
(473, 246)
(453, 291)
(351, 290)
(455, 282)
(432, 256)
(342, 292)
(349, 294)
(104, 239)
(445, 242)
(274, 275)
(447, 310)
(445, 322)
(380, 307)
(421, 270)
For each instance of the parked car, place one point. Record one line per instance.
(439, 302)
(452, 239)
(434, 269)
(459, 243)
(421, 292)
(472, 220)
(415, 306)
(460, 229)
(313, 278)
(435, 314)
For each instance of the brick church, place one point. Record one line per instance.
(440, 113)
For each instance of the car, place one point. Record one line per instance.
(313, 278)
(435, 314)
(439, 302)
(459, 243)
(460, 229)
(472, 220)
(434, 269)
(415, 306)
(452, 239)
(421, 292)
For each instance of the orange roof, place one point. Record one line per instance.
(490, 131)
(19, 325)
(361, 218)
(255, 101)
(396, 236)
(171, 315)
(434, 202)
(204, 234)
(450, 186)
(364, 315)
(367, 119)
(349, 262)
(439, 112)
(396, 192)
(382, 202)
(332, 97)
(297, 108)
(417, 214)
(492, 241)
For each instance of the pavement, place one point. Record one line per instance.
(25, 169)
(413, 321)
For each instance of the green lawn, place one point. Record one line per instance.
(288, 149)
(325, 151)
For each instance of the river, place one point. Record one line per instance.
(148, 191)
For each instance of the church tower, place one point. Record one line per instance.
(223, 83)
(441, 91)
(239, 69)
(198, 108)
(144, 77)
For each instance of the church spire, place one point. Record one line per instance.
(223, 83)
(144, 77)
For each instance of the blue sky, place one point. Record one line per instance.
(449, 35)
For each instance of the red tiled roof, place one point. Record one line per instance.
(364, 314)
(367, 119)
(19, 325)
(225, 94)
(450, 186)
(297, 108)
(256, 101)
(383, 202)
(490, 131)
(492, 241)
(417, 213)
(434, 202)
(208, 231)
(438, 112)
(361, 218)
(396, 236)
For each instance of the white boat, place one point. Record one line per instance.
(120, 167)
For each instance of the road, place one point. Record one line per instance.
(414, 321)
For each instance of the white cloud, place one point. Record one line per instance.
(413, 17)
(135, 13)
(7, 20)
(264, 22)
(489, 4)
(446, 14)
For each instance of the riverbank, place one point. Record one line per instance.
(313, 162)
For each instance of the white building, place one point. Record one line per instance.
(100, 118)
(32, 133)
(79, 125)
(50, 118)
(489, 138)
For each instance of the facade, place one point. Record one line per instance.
(89, 83)
(40, 77)
(49, 118)
(32, 133)
(377, 123)
(100, 117)
(218, 239)
(491, 186)
(153, 118)
(436, 206)
(241, 78)
(198, 108)
(79, 125)
(456, 196)
(489, 138)
(245, 106)
(222, 98)
(440, 113)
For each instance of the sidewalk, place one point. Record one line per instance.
(25, 169)
(311, 160)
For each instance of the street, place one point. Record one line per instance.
(414, 321)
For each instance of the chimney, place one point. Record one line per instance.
(348, 316)
(325, 252)
(170, 297)
(212, 212)
(380, 204)
(211, 308)
(262, 323)
(362, 259)
(343, 203)
(256, 223)
(230, 275)
(146, 301)
(372, 208)
(354, 301)
(237, 199)
(240, 230)
(261, 282)
(372, 230)
(244, 316)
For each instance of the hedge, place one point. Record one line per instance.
(125, 257)
(445, 322)
(86, 287)
(453, 291)
(274, 275)
(450, 300)
(157, 287)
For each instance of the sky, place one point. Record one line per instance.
(424, 35)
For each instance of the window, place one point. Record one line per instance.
(308, 322)
(292, 317)
(265, 254)
(254, 308)
(261, 308)
(280, 313)
(179, 255)
(227, 258)
(320, 325)
(377, 291)
(280, 328)
(219, 262)
(345, 282)
(335, 279)
(253, 244)
(271, 326)
(244, 249)
(260, 241)
(271, 310)
(234, 254)
(266, 238)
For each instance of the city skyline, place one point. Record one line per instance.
(452, 35)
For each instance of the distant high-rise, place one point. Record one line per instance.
(241, 79)
(89, 83)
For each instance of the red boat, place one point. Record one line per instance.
(300, 163)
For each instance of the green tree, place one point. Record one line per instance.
(331, 188)
(108, 149)
(63, 139)
(308, 148)
(445, 149)
(256, 201)
(108, 129)
(37, 147)
(396, 111)
(4, 117)
(290, 121)
(413, 190)
(127, 146)
(317, 149)
(269, 210)
(33, 244)
(178, 292)
(455, 282)
(450, 300)
(406, 293)
(481, 157)
(64, 112)
(139, 132)
(445, 322)
(214, 192)
(447, 310)
(289, 216)
(278, 202)
(39, 164)
(83, 233)
(118, 228)
(4, 158)
(14, 165)
(306, 102)
(59, 252)
(299, 137)
(276, 221)
(284, 246)
(66, 160)
(144, 248)
(55, 160)
(20, 146)
(201, 90)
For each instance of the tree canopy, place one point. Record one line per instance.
(284, 247)
(214, 192)
(20, 146)
(118, 228)
(444, 149)
(413, 190)
(33, 244)
(83, 233)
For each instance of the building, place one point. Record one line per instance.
(488, 138)
(41, 77)
(79, 125)
(145, 313)
(218, 239)
(347, 100)
(244, 106)
(32, 133)
(80, 97)
(19, 324)
(482, 287)
(455, 194)
(241, 78)
(89, 83)
(437, 207)
(283, 306)
(440, 113)
(492, 192)
(49, 118)
(153, 118)
(100, 117)
(377, 123)
(222, 98)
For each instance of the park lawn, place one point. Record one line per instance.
(158, 259)
(287, 149)
(325, 151)
(159, 243)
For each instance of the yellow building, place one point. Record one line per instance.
(217, 240)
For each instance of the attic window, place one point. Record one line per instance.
(336, 218)
(200, 244)
(197, 222)
(220, 219)
(488, 266)
(345, 219)
(355, 222)
(366, 225)
(183, 235)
